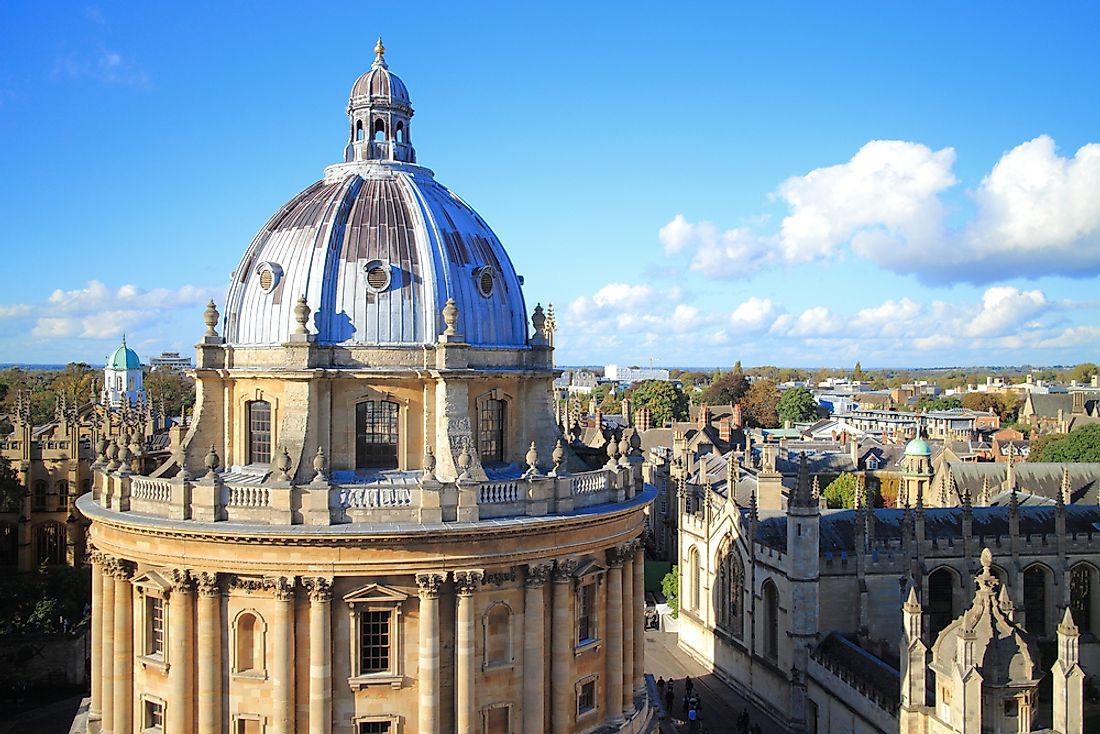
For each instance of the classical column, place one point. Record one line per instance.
(106, 662)
(124, 648)
(639, 617)
(428, 680)
(628, 630)
(282, 656)
(181, 663)
(466, 583)
(208, 662)
(614, 635)
(562, 636)
(95, 707)
(320, 654)
(534, 655)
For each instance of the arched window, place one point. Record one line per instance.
(1083, 596)
(49, 543)
(41, 491)
(497, 623)
(379, 130)
(731, 578)
(490, 436)
(696, 579)
(9, 544)
(941, 601)
(1035, 600)
(399, 132)
(248, 647)
(358, 129)
(62, 495)
(376, 435)
(771, 620)
(259, 432)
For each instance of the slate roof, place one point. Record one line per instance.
(868, 672)
(1040, 478)
(1047, 405)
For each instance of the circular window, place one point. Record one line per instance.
(485, 281)
(378, 275)
(269, 275)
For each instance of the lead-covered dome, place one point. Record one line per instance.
(379, 81)
(376, 247)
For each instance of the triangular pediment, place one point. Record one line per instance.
(375, 593)
(589, 568)
(153, 579)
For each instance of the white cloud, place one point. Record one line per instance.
(886, 317)
(816, 321)
(14, 311)
(1004, 310)
(753, 314)
(1036, 214)
(53, 328)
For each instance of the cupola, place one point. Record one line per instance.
(379, 113)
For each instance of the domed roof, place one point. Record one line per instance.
(123, 358)
(918, 447)
(379, 81)
(376, 247)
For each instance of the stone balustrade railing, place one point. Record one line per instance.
(323, 503)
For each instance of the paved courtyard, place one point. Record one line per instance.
(721, 704)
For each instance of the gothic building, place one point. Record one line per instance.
(372, 524)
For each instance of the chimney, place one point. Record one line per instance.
(1078, 403)
(628, 412)
(642, 419)
(725, 430)
(736, 418)
(1095, 380)
(704, 415)
(853, 449)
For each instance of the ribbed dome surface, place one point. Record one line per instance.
(380, 82)
(124, 358)
(379, 224)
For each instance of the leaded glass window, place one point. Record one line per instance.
(374, 641)
(259, 432)
(491, 430)
(376, 435)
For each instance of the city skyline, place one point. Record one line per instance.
(810, 190)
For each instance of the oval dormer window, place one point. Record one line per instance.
(486, 281)
(378, 275)
(269, 275)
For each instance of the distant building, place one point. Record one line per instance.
(122, 377)
(634, 374)
(171, 360)
(582, 382)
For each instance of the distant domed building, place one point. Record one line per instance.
(372, 524)
(122, 378)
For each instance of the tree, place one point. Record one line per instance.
(1082, 444)
(1083, 372)
(666, 401)
(726, 390)
(174, 390)
(1006, 406)
(841, 492)
(758, 407)
(857, 372)
(1039, 445)
(11, 491)
(796, 404)
(670, 587)
(76, 383)
(929, 404)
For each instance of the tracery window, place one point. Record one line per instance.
(771, 620)
(491, 430)
(1082, 588)
(731, 579)
(62, 495)
(50, 544)
(696, 580)
(941, 605)
(41, 490)
(259, 432)
(376, 435)
(1035, 600)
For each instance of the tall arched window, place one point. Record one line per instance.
(62, 495)
(497, 624)
(1035, 600)
(376, 435)
(771, 620)
(359, 130)
(379, 130)
(49, 542)
(941, 601)
(1084, 596)
(731, 577)
(41, 491)
(400, 132)
(490, 435)
(696, 579)
(259, 432)
(248, 644)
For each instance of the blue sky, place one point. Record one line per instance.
(786, 183)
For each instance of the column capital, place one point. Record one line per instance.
(282, 587)
(468, 581)
(537, 574)
(118, 568)
(564, 568)
(207, 582)
(429, 583)
(183, 581)
(319, 587)
(619, 555)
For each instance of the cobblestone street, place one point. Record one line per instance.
(721, 705)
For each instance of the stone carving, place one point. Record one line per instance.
(468, 581)
(282, 587)
(210, 318)
(118, 569)
(537, 574)
(319, 465)
(564, 568)
(532, 460)
(557, 456)
(249, 583)
(282, 465)
(620, 554)
(429, 462)
(499, 578)
(612, 454)
(624, 450)
(319, 587)
(182, 580)
(212, 462)
(430, 583)
(301, 315)
(464, 461)
(208, 583)
(450, 318)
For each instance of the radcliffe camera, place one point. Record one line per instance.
(753, 389)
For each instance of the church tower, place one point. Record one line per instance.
(803, 533)
(916, 473)
(122, 377)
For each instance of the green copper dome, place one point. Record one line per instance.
(918, 447)
(123, 358)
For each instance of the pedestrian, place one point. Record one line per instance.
(661, 684)
(693, 719)
(688, 685)
(670, 695)
(699, 706)
(684, 705)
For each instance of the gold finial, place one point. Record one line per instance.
(379, 49)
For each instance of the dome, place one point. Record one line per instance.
(123, 358)
(377, 248)
(379, 81)
(918, 447)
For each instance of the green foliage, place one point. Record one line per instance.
(857, 372)
(841, 492)
(11, 491)
(1082, 372)
(759, 406)
(670, 587)
(174, 390)
(726, 390)
(34, 385)
(76, 383)
(1006, 406)
(46, 601)
(665, 401)
(796, 404)
(929, 404)
(1082, 444)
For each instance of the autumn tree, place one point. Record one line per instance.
(11, 491)
(76, 383)
(726, 390)
(841, 492)
(1006, 405)
(758, 407)
(857, 372)
(174, 390)
(665, 401)
(796, 404)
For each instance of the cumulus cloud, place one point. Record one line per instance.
(1036, 214)
(1004, 310)
(97, 311)
(754, 314)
